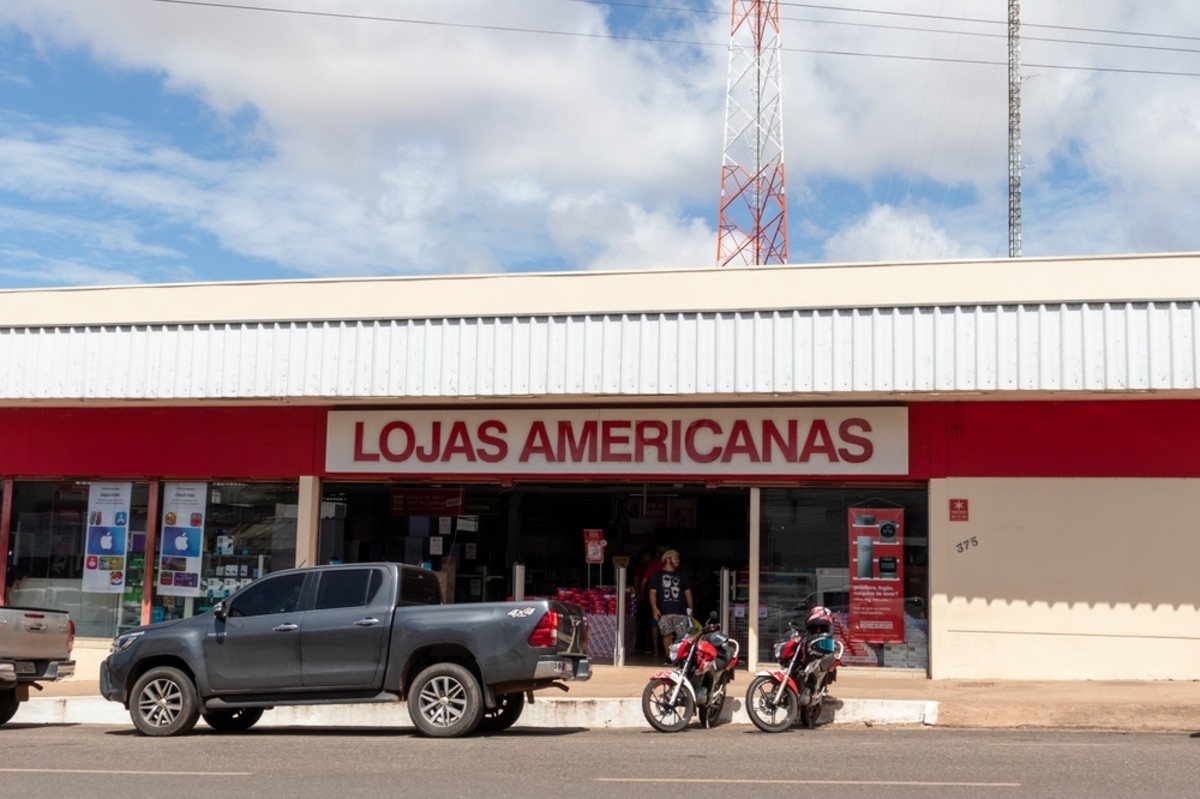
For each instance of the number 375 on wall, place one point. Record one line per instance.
(967, 543)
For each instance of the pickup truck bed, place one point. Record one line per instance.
(35, 646)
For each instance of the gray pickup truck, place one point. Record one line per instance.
(370, 632)
(35, 647)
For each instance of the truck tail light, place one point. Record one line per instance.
(70, 635)
(546, 632)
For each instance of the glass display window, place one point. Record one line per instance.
(66, 554)
(242, 531)
(860, 552)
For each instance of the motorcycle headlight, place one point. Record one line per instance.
(778, 649)
(123, 642)
(673, 652)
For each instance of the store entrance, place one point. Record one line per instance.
(473, 535)
(478, 532)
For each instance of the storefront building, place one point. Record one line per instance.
(985, 468)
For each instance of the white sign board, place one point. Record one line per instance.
(665, 442)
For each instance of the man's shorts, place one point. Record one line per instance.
(674, 624)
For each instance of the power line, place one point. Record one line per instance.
(912, 29)
(994, 22)
(986, 35)
(658, 40)
(942, 17)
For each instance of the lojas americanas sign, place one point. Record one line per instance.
(669, 442)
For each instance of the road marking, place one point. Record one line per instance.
(906, 783)
(1055, 743)
(126, 772)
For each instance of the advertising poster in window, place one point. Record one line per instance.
(876, 575)
(107, 530)
(181, 544)
(593, 545)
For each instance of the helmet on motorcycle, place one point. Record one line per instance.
(819, 618)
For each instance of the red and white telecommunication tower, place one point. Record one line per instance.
(753, 221)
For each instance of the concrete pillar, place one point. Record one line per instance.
(308, 521)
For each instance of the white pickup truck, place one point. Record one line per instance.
(35, 646)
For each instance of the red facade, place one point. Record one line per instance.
(1101, 438)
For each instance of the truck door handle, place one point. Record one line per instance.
(367, 622)
(285, 628)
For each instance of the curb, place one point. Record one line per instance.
(556, 713)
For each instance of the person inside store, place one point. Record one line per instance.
(648, 564)
(670, 594)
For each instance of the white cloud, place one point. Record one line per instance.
(394, 147)
(339, 146)
(891, 124)
(31, 268)
(893, 234)
(602, 233)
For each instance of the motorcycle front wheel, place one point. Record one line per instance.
(767, 714)
(658, 709)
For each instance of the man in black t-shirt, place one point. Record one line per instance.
(671, 599)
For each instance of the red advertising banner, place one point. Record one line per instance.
(876, 575)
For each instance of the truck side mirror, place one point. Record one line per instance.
(220, 611)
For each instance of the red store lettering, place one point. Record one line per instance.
(703, 441)
(622, 441)
(398, 442)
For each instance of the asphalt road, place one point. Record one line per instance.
(57, 761)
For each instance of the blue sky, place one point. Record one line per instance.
(146, 141)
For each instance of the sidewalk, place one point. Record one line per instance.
(612, 698)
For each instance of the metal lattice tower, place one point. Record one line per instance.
(753, 219)
(1014, 129)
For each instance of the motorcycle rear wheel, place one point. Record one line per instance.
(767, 714)
(710, 716)
(658, 710)
(810, 713)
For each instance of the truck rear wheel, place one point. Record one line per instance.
(8, 704)
(507, 711)
(238, 720)
(164, 703)
(445, 701)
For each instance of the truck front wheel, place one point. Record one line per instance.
(8, 704)
(445, 701)
(164, 703)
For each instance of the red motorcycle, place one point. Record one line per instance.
(703, 668)
(808, 660)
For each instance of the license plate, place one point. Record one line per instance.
(24, 667)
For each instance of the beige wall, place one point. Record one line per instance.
(88, 654)
(1117, 278)
(1070, 579)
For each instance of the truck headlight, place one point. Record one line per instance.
(123, 642)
